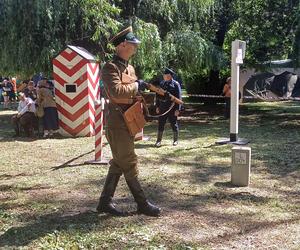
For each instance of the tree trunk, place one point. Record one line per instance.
(214, 86)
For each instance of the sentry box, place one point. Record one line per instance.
(76, 80)
(240, 167)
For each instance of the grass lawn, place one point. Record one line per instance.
(48, 194)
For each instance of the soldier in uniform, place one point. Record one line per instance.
(122, 95)
(163, 105)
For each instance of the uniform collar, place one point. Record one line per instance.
(118, 59)
(168, 82)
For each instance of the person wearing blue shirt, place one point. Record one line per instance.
(164, 105)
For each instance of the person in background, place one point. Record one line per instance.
(227, 94)
(30, 91)
(13, 93)
(1, 90)
(46, 100)
(51, 86)
(25, 117)
(7, 89)
(163, 105)
(22, 86)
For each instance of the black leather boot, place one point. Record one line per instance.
(175, 138)
(159, 138)
(143, 205)
(105, 202)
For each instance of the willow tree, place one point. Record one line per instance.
(33, 32)
(296, 46)
(190, 36)
(158, 24)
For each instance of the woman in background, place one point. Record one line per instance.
(46, 100)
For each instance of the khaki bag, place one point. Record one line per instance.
(134, 118)
(40, 111)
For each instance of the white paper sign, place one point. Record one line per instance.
(239, 56)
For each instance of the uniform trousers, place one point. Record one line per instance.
(170, 116)
(122, 146)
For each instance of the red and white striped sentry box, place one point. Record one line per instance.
(76, 80)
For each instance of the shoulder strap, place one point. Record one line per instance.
(142, 101)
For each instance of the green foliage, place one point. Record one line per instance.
(193, 62)
(100, 20)
(296, 45)
(199, 54)
(196, 84)
(267, 27)
(148, 59)
(35, 31)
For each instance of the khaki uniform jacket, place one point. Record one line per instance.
(113, 82)
(45, 98)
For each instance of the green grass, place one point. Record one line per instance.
(48, 194)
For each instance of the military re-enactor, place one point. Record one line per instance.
(122, 96)
(164, 104)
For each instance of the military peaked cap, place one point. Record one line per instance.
(169, 71)
(125, 35)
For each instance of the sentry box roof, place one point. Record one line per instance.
(83, 52)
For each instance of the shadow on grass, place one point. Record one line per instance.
(13, 187)
(10, 176)
(68, 163)
(49, 223)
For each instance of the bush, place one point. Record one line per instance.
(196, 85)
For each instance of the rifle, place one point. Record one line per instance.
(163, 92)
(126, 79)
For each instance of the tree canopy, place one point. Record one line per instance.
(193, 37)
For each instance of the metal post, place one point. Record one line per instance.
(238, 49)
(99, 110)
(234, 99)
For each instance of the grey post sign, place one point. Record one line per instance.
(240, 167)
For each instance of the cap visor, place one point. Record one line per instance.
(135, 41)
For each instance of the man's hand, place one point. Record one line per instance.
(157, 111)
(18, 115)
(176, 113)
(142, 85)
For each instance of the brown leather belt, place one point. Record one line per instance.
(123, 100)
(115, 106)
(126, 100)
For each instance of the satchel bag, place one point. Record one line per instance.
(39, 111)
(134, 118)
